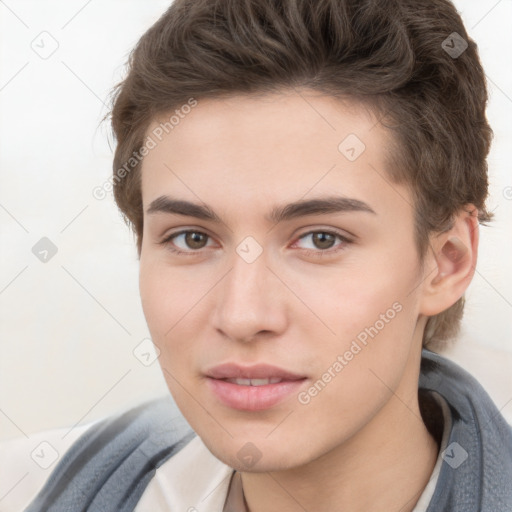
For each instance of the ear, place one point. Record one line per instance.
(450, 263)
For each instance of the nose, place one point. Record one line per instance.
(251, 302)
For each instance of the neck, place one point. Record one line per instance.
(385, 466)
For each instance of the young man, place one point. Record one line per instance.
(305, 181)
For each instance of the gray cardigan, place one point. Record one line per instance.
(108, 468)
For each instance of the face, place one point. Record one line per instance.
(279, 275)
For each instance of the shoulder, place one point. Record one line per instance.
(26, 462)
(477, 463)
(111, 463)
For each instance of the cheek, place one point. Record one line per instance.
(372, 315)
(156, 303)
(166, 296)
(174, 305)
(356, 298)
(163, 301)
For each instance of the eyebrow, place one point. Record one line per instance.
(301, 208)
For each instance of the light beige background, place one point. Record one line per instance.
(69, 327)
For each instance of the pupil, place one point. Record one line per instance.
(195, 240)
(323, 240)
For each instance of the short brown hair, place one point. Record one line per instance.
(393, 55)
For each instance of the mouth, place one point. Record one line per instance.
(252, 388)
(254, 382)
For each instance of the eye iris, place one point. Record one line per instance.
(323, 240)
(195, 240)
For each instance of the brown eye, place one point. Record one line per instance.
(186, 242)
(323, 240)
(195, 240)
(319, 243)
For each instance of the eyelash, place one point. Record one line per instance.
(308, 252)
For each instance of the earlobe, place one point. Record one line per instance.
(454, 257)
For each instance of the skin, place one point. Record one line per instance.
(297, 306)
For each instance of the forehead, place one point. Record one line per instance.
(274, 146)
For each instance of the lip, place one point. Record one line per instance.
(258, 371)
(252, 398)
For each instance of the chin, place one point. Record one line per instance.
(256, 457)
